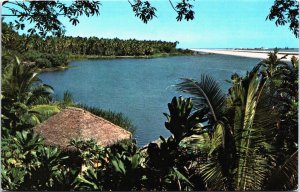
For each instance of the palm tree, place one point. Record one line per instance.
(21, 91)
(206, 93)
(285, 176)
(239, 149)
(20, 83)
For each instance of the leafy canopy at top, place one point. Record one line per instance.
(285, 11)
(44, 15)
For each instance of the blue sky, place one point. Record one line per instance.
(217, 24)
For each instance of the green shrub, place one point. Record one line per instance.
(27, 164)
(116, 168)
(45, 60)
(56, 59)
(43, 63)
(32, 56)
(45, 111)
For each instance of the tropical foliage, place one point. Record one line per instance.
(21, 90)
(159, 166)
(247, 148)
(245, 140)
(55, 52)
(27, 163)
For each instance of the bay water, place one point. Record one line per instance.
(141, 88)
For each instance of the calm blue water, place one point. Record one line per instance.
(141, 88)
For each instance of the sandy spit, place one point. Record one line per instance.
(247, 53)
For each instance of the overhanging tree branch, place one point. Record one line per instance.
(173, 6)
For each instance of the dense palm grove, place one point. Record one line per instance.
(56, 51)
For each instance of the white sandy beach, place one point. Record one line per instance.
(260, 54)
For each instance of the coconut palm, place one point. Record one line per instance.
(21, 90)
(285, 177)
(20, 83)
(239, 150)
(206, 93)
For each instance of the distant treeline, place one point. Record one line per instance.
(66, 45)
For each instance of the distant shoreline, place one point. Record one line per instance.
(97, 57)
(258, 54)
(158, 55)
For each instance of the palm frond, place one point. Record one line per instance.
(285, 177)
(17, 81)
(205, 92)
(40, 94)
(250, 131)
(212, 174)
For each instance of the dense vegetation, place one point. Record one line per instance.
(245, 140)
(53, 52)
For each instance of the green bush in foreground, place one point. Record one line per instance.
(27, 164)
(161, 166)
